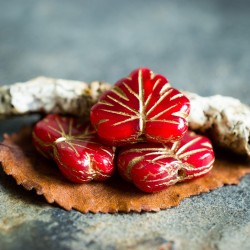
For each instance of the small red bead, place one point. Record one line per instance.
(138, 107)
(154, 167)
(75, 147)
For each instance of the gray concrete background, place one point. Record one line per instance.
(202, 46)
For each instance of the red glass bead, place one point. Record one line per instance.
(154, 167)
(142, 106)
(75, 147)
(54, 126)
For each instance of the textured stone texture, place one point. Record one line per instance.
(201, 46)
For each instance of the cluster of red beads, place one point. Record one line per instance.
(143, 121)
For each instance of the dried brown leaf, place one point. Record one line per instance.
(20, 160)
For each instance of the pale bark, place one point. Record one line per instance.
(49, 95)
(225, 119)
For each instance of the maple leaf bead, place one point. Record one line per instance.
(153, 167)
(142, 106)
(83, 160)
(75, 148)
(55, 126)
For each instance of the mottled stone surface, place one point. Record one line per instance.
(201, 46)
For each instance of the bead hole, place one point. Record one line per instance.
(181, 173)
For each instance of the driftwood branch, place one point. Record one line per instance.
(226, 120)
(49, 95)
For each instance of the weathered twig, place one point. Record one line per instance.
(226, 120)
(49, 95)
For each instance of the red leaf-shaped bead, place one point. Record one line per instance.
(141, 106)
(154, 167)
(54, 126)
(75, 147)
(83, 159)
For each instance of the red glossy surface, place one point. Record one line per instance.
(141, 106)
(54, 126)
(75, 148)
(154, 167)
